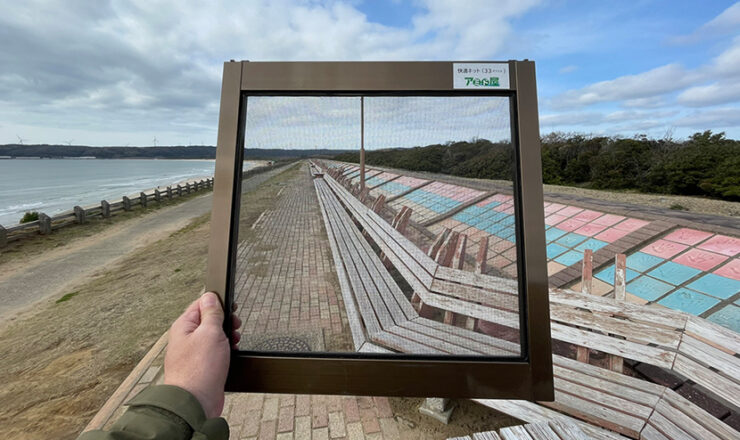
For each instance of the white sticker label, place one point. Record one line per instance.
(480, 76)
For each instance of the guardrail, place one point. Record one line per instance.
(79, 214)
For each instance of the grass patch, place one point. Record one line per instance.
(29, 217)
(678, 207)
(67, 297)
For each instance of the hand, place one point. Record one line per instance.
(197, 358)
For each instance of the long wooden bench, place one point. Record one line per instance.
(386, 317)
(553, 430)
(699, 350)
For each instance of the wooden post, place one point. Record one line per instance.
(80, 215)
(44, 224)
(404, 222)
(179, 190)
(456, 261)
(362, 142)
(481, 260)
(143, 199)
(620, 277)
(587, 280)
(126, 203)
(105, 208)
(583, 353)
(379, 204)
(616, 363)
(3, 237)
(364, 193)
(169, 192)
(157, 195)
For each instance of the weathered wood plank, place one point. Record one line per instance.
(567, 431)
(703, 353)
(699, 416)
(683, 422)
(598, 415)
(713, 334)
(721, 386)
(633, 350)
(515, 433)
(541, 431)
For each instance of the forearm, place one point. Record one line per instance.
(163, 412)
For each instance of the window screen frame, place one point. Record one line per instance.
(528, 377)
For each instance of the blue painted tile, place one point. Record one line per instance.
(689, 301)
(674, 273)
(553, 234)
(728, 316)
(569, 258)
(508, 220)
(607, 275)
(642, 261)
(553, 250)
(648, 288)
(492, 204)
(592, 244)
(571, 239)
(716, 285)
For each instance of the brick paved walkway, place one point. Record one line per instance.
(288, 416)
(286, 283)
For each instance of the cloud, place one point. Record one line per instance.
(153, 67)
(716, 118)
(726, 22)
(568, 69)
(654, 82)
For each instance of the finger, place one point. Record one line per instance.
(236, 337)
(211, 312)
(235, 322)
(189, 320)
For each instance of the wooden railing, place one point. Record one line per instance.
(105, 209)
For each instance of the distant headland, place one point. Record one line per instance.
(45, 151)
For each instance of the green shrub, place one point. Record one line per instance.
(29, 217)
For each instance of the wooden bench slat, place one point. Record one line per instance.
(498, 299)
(369, 299)
(635, 312)
(650, 433)
(683, 422)
(595, 414)
(515, 433)
(402, 344)
(568, 430)
(606, 398)
(698, 415)
(728, 390)
(354, 320)
(634, 331)
(653, 355)
(619, 379)
(475, 279)
(713, 334)
(487, 344)
(643, 399)
(541, 431)
(491, 435)
(435, 342)
(486, 313)
(708, 355)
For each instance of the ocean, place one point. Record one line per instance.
(56, 185)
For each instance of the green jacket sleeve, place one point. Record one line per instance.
(163, 412)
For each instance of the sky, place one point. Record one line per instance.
(149, 72)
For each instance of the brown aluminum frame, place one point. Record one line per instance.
(528, 377)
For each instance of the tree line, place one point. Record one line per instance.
(705, 164)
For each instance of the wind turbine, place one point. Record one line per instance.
(155, 141)
(20, 139)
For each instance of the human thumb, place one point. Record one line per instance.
(211, 312)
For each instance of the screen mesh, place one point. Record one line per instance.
(400, 257)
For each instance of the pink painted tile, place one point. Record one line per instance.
(509, 210)
(501, 198)
(570, 211)
(570, 225)
(503, 207)
(663, 248)
(590, 229)
(688, 236)
(699, 259)
(554, 219)
(631, 224)
(611, 235)
(730, 270)
(409, 181)
(609, 219)
(485, 201)
(554, 207)
(587, 216)
(723, 244)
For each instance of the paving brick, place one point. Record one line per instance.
(267, 430)
(303, 405)
(284, 436)
(302, 428)
(285, 418)
(270, 408)
(351, 410)
(389, 428)
(354, 431)
(733, 420)
(659, 375)
(320, 434)
(369, 420)
(383, 407)
(319, 415)
(337, 425)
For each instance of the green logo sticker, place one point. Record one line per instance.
(481, 82)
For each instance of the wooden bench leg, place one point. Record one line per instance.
(583, 353)
(616, 363)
